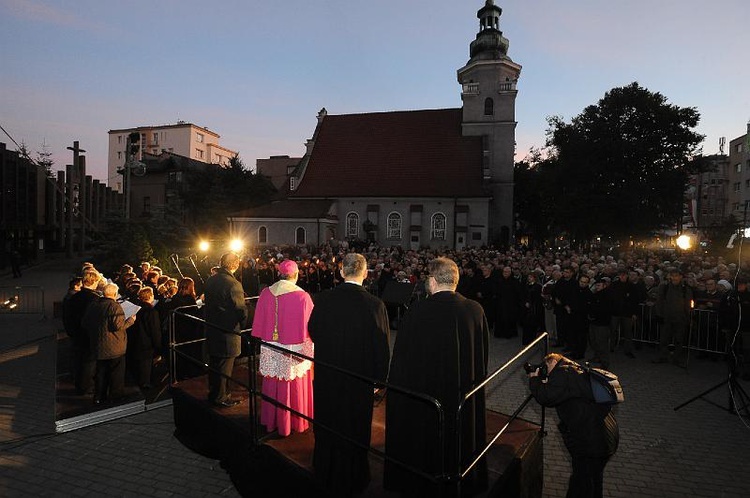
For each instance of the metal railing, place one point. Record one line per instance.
(22, 300)
(444, 476)
(646, 325)
(704, 333)
(253, 346)
(462, 473)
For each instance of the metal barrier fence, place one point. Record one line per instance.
(646, 325)
(704, 332)
(22, 300)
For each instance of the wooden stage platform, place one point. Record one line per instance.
(283, 466)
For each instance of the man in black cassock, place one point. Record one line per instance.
(441, 350)
(349, 327)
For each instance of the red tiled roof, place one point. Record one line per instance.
(394, 154)
(291, 208)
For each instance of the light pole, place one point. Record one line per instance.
(131, 161)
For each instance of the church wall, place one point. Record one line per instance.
(416, 215)
(280, 231)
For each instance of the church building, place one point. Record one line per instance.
(435, 177)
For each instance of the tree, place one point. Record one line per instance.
(216, 192)
(121, 241)
(23, 150)
(620, 167)
(535, 213)
(44, 159)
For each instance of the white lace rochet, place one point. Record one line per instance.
(286, 366)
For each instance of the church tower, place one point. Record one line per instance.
(488, 91)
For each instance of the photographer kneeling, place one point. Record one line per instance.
(589, 429)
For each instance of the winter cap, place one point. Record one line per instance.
(724, 284)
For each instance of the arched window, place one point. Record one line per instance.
(437, 226)
(300, 236)
(489, 107)
(352, 225)
(262, 235)
(394, 226)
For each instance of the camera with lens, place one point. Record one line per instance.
(531, 368)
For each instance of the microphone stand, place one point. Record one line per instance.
(175, 261)
(192, 261)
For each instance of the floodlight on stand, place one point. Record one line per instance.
(684, 242)
(235, 245)
(203, 245)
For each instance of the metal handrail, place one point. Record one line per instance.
(252, 389)
(461, 474)
(443, 476)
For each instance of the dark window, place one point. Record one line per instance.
(300, 236)
(262, 235)
(489, 107)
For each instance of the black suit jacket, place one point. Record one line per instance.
(226, 311)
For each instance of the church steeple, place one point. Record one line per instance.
(488, 92)
(490, 42)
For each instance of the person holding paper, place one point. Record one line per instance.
(105, 323)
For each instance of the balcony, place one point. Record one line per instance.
(470, 89)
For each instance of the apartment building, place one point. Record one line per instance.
(711, 189)
(739, 179)
(278, 169)
(184, 139)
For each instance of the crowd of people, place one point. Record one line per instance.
(324, 303)
(592, 302)
(109, 345)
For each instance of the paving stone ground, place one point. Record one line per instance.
(700, 450)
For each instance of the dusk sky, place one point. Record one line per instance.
(258, 72)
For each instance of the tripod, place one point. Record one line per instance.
(738, 399)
